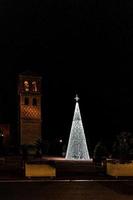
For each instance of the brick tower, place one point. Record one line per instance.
(29, 91)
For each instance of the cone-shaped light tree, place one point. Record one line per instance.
(77, 146)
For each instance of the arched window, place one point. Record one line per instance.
(34, 86)
(26, 86)
(26, 101)
(34, 102)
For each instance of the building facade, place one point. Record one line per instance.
(4, 134)
(30, 118)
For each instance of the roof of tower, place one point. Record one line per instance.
(30, 73)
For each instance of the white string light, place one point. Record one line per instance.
(77, 146)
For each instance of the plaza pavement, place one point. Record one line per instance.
(66, 190)
(74, 181)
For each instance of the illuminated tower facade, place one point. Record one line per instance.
(29, 91)
(77, 146)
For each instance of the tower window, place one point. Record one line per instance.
(34, 86)
(34, 102)
(26, 86)
(26, 101)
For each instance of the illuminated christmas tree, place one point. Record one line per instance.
(77, 146)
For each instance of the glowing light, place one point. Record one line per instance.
(26, 86)
(77, 146)
(34, 86)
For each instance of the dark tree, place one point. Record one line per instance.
(123, 147)
(100, 153)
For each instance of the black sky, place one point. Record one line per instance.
(82, 47)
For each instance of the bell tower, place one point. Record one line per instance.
(29, 91)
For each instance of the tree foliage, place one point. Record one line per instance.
(123, 147)
(100, 152)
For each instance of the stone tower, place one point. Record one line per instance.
(29, 91)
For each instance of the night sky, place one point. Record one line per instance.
(83, 47)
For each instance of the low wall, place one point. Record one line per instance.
(39, 170)
(118, 169)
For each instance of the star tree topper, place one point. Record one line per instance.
(76, 98)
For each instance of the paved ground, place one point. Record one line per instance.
(50, 190)
(95, 186)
